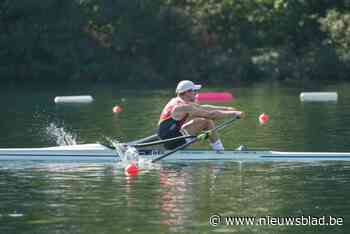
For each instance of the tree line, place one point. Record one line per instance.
(167, 40)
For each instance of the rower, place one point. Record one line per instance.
(183, 116)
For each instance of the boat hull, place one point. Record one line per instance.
(97, 152)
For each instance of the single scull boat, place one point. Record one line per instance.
(99, 152)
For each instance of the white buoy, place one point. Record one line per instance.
(74, 99)
(319, 96)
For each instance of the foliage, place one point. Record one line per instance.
(165, 40)
(337, 24)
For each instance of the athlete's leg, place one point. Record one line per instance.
(197, 125)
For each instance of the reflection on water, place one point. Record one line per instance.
(174, 199)
(91, 198)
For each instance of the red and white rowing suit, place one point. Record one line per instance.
(170, 127)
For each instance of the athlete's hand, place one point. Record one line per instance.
(240, 114)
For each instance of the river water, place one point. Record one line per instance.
(53, 197)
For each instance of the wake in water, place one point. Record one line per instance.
(60, 135)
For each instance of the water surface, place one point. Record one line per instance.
(43, 197)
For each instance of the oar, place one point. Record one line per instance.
(159, 142)
(151, 143)
(198, 137)
(151, 138)
(144, 140)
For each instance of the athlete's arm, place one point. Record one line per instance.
(212, 107)
(198, 111)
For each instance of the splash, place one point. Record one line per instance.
(129, 154)
(126, 153)
(60, 135)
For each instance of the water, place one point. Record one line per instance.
(42, 197)
(95, 198)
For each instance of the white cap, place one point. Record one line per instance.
(186, 85)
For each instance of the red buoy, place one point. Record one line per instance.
(131, 170)
(263, 118)
(117, 109)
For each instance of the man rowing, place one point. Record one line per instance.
(183, 116)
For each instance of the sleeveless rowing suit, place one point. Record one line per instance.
(169, 127)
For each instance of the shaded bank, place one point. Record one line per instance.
(167, 40)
